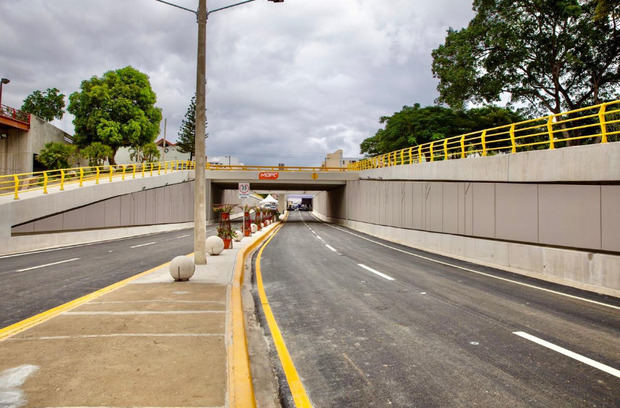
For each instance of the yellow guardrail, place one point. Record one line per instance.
(274, 168)
(590, 125)
(14, 184)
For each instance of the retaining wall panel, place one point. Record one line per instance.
(450, 206)
(610, 216)
(483, 206)
(516, 212)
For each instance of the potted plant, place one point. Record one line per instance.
(227, 236)
(223, 210)
(247, 221)
(257, 217)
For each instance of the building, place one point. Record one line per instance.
(335, 159)
(169, 152)
(22, 136)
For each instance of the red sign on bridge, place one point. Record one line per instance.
(268, 175)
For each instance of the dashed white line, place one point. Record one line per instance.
(49, 264)
(142, 245)
(182, 236)
(568, 353)
(369, 269)
(331, 248)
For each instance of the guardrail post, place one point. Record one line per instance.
(463, 147)
(165, 167)
(512, 138)
(81, 176)
(483, 139)
(151, 173)
(142, 165)
(45, 182)
(124, 167)
(62, 180)
(419, 153)
(16, 181)
(431, 151)
(97, 176)
(158, 168)
(550, 132)
(601, 119)
(445, 149)
(111, 172)
(411, 155)
(402, 157)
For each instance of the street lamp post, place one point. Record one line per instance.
(2, 82)
(200, 196)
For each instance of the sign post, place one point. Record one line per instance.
(244, 193)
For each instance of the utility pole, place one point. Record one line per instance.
(200, 192)
(164, 147)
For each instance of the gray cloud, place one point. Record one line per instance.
(287, 82)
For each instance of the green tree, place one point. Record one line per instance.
(552, 55)
(48, 105)
(187, 132)
(57, 155)
(414, 125)
(146, 153)
(97, 153)
(117, 110)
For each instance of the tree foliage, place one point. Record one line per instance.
(48, 105)
(553, 55)
(97, 153)
(117, 110)
(147, 153)
(187, 132)
(55, 155)
(415, 125)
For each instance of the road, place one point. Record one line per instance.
(370, 323)
(34, 282)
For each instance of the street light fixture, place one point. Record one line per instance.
(200, 190)
(2, 82)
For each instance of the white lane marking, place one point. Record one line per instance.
(331, 248)
(144, 312)
(369, 269)
(11, 379)
(49, 264)
(319, 238)
(478, 272)
(182, 236)
(568, 353)
(141, 245)
(95, 336)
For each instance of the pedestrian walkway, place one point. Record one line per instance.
(151, 342)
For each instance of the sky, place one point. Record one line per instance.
(286, 82)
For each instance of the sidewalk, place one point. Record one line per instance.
(151, 342)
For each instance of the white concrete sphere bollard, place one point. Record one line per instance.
(238, 235)
(215, 245)
(253, 227)
(181, 268)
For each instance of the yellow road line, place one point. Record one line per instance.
(25, 324)
(240, 388)
(300, 397)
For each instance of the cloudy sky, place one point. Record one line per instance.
(287, 82)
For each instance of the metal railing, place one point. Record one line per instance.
(15, 114)
(274, 168)
(14, 184)
(590, 125)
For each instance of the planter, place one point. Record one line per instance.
(227, 243)
(247, 230)
(225, 216)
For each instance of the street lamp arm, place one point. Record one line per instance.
(177, 6)
(227, 7)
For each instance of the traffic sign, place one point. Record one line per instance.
(244, 190)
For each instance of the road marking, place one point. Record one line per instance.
(144, 312)
(331, 248)
(475, 271)
(95, 336)
(568, 353)
(49, 264)
(141, 245)
(319, 238)
(182, 236)
(359, 370)
(369, 269)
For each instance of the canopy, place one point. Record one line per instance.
(269, 199)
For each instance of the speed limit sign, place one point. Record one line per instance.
(244, 190)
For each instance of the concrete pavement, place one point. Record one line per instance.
(144, 342)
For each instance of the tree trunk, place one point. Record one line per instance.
(111, 158)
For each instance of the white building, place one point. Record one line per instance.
(169, 152)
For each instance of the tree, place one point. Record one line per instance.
(187, 132)
(414, 125)
(552, 55)
(97, 153)
(147, 153)
(48, 105)
(57, 155)
(117, 110)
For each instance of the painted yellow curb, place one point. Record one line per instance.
(240, 388)
(300, 397)
(25, 324)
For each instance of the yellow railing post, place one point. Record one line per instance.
(431, 151)
(62, 180)
(463, 147)
(176, 166)
(124, 167)
(419, 153)
(133, 171)
(402, 157)
(143, 166)
(45, 182)
(512, 138)
(550, 132)
(165, 167)
(445, 149)
(81, 176)
(601, 119)
(16, 182)
(111, 172)
(483, 139)
(151, 173)
(97, 176)
(411, 155)
(158, 168)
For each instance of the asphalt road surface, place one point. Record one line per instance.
(34, 282)
(369, 323)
